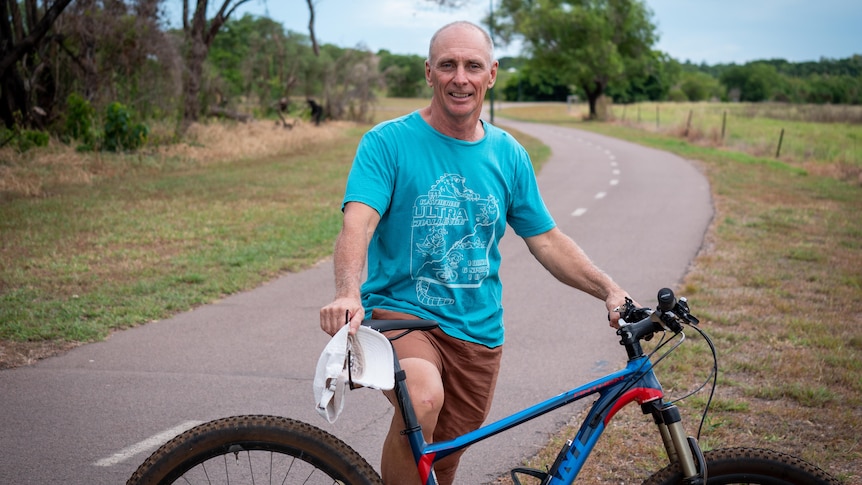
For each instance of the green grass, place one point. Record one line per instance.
(92, 259)
(756, 128)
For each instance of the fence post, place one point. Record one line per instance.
(688, 123)
(657, 117)
(723, 124)
(780, 139)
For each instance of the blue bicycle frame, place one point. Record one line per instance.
(637, 382)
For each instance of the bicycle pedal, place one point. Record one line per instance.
(529, 472)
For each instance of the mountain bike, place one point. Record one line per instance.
(271, 449)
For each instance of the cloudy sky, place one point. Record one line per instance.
(711, 31)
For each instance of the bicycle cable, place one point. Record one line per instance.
(713, 375)
(665, 340)
(661, 343)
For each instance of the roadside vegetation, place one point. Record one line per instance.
(778, 286)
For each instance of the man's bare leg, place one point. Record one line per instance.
(426, 391)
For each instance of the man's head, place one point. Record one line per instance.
(463, 24)
(460, 68)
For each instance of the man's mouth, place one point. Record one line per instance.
(460, 95)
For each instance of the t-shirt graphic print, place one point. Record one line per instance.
(453, 230)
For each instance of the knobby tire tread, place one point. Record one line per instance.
(750, 465)
(272, 433)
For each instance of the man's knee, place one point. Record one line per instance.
(426, 391)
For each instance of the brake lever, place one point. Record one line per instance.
(684, 312)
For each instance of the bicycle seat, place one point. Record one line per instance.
(385, 325)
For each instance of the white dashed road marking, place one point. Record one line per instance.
(147, 444)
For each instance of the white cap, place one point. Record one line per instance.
(364, 359)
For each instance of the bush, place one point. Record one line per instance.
(80, 121)
(23, 140)
(120, 134)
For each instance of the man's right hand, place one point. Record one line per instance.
(343, 310)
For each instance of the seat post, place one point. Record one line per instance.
(412, 428)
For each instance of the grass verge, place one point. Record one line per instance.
(778, 285)
(146, 236)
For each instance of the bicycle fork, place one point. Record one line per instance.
(680, 448)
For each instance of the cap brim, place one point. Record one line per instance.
(372, 364)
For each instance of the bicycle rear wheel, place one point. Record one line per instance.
(750, 466)
(255, 449)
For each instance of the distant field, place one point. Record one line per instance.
(822, 139)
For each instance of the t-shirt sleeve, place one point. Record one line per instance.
(528, 214)
(372, 175)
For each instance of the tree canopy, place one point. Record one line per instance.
(588, 44)
(96, 53)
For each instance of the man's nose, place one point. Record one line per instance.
(460, 75)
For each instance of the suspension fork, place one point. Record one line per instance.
(680, 448)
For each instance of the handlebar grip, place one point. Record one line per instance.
(666, 299)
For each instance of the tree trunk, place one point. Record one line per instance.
(594, 91)
(16, 98)
(195, 62)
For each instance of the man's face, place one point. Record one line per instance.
(460, 71)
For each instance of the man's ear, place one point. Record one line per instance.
(494, 68)
(428, 74)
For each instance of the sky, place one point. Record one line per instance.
(710, 31)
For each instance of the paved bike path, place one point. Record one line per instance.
(93, 414)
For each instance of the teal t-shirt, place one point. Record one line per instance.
(444, 204)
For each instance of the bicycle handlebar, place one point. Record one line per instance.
(670, 315)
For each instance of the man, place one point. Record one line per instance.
(427, 200)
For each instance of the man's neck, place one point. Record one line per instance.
(468, 128)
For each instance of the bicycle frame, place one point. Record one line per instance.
(636, 382)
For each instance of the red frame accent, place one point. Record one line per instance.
(425, 464)
(639, 394)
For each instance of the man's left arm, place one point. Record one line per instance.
(564, 259)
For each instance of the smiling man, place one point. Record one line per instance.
(428, 198)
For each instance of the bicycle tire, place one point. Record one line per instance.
(255, 449)
(750, 466)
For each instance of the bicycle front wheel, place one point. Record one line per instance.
(750, 466)
(255, 449)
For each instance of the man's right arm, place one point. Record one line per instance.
(351, 250)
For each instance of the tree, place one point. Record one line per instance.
(25, 74)
(255, 57)
(588, 43)
(699, 86)
(755, 81)
(117, 51)
(405, 75)
(653, 82)
(199, 34)
(350, 80)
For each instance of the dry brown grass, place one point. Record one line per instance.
(778, 285)
(39, 172)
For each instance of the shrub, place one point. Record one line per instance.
(120, 133)
(80, 121)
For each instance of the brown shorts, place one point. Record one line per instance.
(469, 373)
